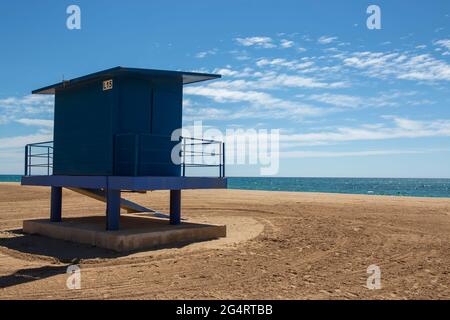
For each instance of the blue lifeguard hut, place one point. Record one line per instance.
(113, 133)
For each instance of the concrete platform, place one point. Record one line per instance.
(136, 232)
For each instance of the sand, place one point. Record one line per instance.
(280, 245)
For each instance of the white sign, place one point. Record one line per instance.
(107, 85)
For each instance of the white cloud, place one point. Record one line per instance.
(36, 122)
(206, 113)
(264, 42)
(238, 84)
(12, 150)
(305, 65)
(444, 43)
(13, 108)
(399, 65)
(294, 81)
(21, 141)
(204, 54)
(402, 128)
(286, 43)
(279, 62)
(187, 102)
(240, 55)
(226, 72)
(340, 154)
(264, 78)
(258, 104)
(326, 40)
(32, 100)
(339, 100)
(408, 124)
(227, 95)
(383, 99)
(273, 81)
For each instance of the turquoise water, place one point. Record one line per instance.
(9, 178)
(376, 186)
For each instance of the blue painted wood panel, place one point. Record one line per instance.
(83, 130)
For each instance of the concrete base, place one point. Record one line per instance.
(136, 232)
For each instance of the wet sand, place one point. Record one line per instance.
(280, 245)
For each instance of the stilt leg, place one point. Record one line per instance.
(55, 204)
(112, 209)
(175, 206)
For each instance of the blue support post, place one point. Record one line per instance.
(112, 209)
(55, 204)
(175, 207)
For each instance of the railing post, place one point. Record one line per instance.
(48, 161)
(184, 156)
(26, 160)
(223, 159)
(30, 165)
(220, 158)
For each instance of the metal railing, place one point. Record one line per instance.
(39, 155)
(210, 152)
(195, 153)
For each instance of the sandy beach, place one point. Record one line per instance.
(280, 245)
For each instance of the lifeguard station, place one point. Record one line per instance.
(113, 133)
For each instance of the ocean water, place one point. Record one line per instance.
(372, 186)
(9, 178)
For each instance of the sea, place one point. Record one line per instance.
(413, 187)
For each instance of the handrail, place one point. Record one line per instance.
(194, 154)
(37, 144)
(29, 156)
(189, 156)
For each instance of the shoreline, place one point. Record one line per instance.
(295, 192)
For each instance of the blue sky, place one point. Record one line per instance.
(348, 101)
